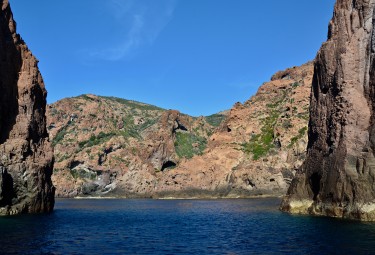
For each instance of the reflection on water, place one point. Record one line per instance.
(243, 226)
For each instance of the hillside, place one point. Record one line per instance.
(115, 147)
(98, 140)
(257, 149)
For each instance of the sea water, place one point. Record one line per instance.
(236, 226)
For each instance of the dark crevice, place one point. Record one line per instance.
(315, 184)
(168, 164)
(74, 164)
(179, 127)
(6, 188)
(371, 89)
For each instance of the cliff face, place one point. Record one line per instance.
(338, 176)
(26, 155)
(107, 146)
(256, 150)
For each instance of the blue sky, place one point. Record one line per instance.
(197, 56)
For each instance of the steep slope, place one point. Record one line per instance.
(116, 147)
(256, 150)
(103, 143)
(338, 176)
(26, 155)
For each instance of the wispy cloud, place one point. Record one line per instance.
(141, 23)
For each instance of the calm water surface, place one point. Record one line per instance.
(244, 226)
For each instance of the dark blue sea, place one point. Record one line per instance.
(238, 226)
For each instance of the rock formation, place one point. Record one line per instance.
(107, 146)
(256, 150)
(338, 176)
(26, 155)
(110, 145)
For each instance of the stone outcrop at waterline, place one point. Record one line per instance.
(26, 157)
(338, 177)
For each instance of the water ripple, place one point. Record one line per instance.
(244, 226)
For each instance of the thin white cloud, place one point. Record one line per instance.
(141, 21)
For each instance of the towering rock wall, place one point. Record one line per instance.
(338, 176)
(26, 157)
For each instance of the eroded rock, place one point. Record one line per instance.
(26, 157)
(337, 178)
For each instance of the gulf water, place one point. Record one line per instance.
(237, 226)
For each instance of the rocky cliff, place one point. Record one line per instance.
(107, 146)
(26, 155)
(256, 150)
(337, 178)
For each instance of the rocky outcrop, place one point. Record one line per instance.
(107, 146)
(26, 155)
(338, 176)
(256, 150)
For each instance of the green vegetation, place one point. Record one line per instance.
(215, 119)
(134, 104)
(59, 136)
(82, 174)
(62, 158)
(54, 111)
(260, 144)
(187, 145)
(287, 124)
(84, 96)
(302, 131)
(126, 162)
(304, 116)
(95, 140)
(294, 139)
(295, 85)
(148, 123)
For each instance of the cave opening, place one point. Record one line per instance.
(315, 184)
(6, 188)
(168, 164)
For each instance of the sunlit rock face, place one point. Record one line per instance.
(338, 177)
(26, 157)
